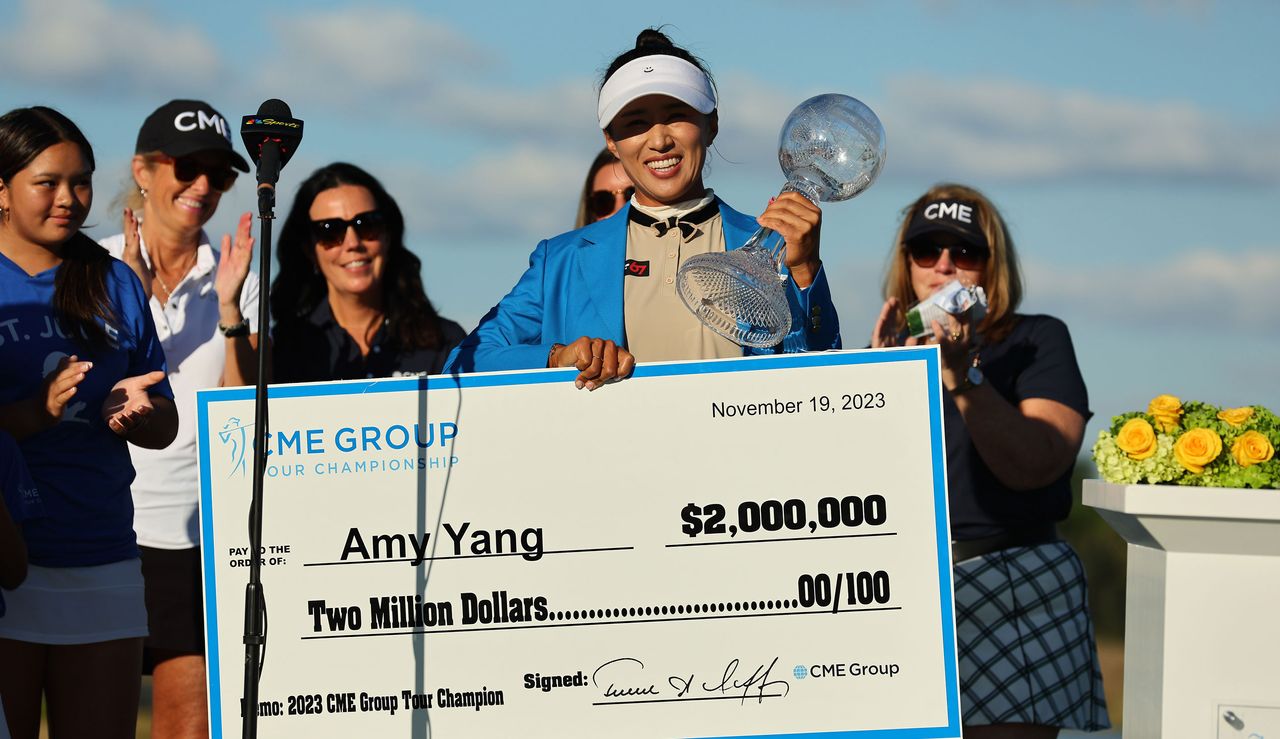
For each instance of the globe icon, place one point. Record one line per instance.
(800, 672)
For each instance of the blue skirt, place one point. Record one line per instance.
(1026, 646)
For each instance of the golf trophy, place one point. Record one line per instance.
(831, 148)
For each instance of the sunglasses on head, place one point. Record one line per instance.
(188, 169)
(369, 226)
(605, 203)
(964, 256)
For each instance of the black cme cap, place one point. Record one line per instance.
(959, 217)
(181, 127)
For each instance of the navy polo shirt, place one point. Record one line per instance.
(1036, 360)
(314, 348)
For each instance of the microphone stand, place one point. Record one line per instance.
(255, 607)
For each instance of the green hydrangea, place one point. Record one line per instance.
(1116, 466)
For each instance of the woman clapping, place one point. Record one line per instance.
(82, 375)
(200, 300)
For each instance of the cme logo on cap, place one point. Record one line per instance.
(954, 211)
(190, 120)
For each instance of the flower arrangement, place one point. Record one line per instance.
(1191, 443)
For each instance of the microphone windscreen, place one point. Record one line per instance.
(274, 108)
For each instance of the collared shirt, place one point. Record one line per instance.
(659, 325)
(1036, 360)
(314, 348)
(165, 492)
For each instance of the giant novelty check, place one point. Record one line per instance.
(742, 547)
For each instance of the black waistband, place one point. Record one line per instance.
(1023, 537)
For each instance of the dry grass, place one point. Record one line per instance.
(1111, 657)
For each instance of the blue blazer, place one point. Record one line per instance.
(574, 288)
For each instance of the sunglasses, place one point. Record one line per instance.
(188, 169)
(329, 232)
(963, 256)
(605, 203)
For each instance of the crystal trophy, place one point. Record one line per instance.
(831, 148)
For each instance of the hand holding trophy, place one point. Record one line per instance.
(831, 148)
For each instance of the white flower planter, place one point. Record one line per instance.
(1202, 610)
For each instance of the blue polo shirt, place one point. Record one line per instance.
(81, 467)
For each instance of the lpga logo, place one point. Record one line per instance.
(237, 435)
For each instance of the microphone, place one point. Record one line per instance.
(271, 136)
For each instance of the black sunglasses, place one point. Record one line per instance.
(188, 169)
(369, 226)
(604, 203)
(964, 256)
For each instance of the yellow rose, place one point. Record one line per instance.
(1236, 416)
(1197, 448)
(1137, 439)
(1166, 410)
(1252, 448)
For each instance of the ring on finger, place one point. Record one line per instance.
(955, 335)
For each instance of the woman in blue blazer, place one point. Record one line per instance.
(603, 296)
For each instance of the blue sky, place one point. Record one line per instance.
(1133, 146)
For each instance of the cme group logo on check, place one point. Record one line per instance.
(846, 669)
(408, 447)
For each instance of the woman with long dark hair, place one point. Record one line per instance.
(82, 376)
(603, 296)
(349, 301)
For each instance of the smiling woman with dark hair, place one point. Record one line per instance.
(200, 300)
(349, 302)
(574, 307)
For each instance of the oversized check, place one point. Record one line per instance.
(744, 547)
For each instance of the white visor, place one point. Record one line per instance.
(659, 74)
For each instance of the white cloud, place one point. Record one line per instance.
(366, 55)
(1011, 130)
(562, 113)
(522, 194)
(90, 46)
(751, 114)
(399, 66)
(1008, 130)
(1198, 292)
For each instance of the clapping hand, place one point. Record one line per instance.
(60, 386)
(128, 405)
(233, 264)
(132, 254)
